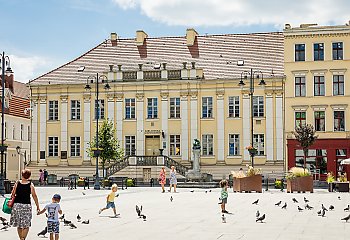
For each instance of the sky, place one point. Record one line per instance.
(41, 35)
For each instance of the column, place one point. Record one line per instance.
(87, 125)
(269, 145)
(42, 126)
(34, 136)
(164, 96)
(246, 125)
(194, 117)
(279, 127)
(110, 107)
(119, 119)
(140, 135)
(64, 123)
(220, 115)
(184, 127)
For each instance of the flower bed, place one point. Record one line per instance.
(248, 184)
(300, 184)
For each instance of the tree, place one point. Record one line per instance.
(305, 135)
(111, 151)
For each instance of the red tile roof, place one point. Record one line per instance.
(215, 54)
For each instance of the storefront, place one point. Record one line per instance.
(324, 156)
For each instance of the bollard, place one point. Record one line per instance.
(75, 183)
(122, 183)
(282, 184)
(267, 183)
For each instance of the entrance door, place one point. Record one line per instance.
(152, 145)
(146, 175)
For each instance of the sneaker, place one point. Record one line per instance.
(99, 211)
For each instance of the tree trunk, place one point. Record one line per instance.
(103, 169)
(305, 153)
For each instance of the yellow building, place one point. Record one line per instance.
(317, 59)
(165, 92)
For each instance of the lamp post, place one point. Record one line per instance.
(253, 75)
(5, 63)
(97, 80)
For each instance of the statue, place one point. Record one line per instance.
(196, 144)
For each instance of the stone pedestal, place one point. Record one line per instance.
(195, 174)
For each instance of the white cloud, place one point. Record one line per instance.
(27, 68)
(241, 13)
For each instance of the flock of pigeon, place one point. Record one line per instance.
(322, 212)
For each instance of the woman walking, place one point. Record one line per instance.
(21, 214)
(173, 180)
(162, 178)
(41, 177)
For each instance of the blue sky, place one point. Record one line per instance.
(40, 35)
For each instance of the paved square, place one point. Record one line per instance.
(193, 215)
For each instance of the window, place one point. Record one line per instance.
(100, 107)
(340, 152)
(339, 121)
(53, 146)
(316, 159)
(75, 146)
(300, 87)
(174, 107)
(75, 110)
(299, 52)
(22, 131)
(152, 108)
(207, 107)
(318, 52)
(53, 110)
(300, 119)
(318, 85)
(207, 144)
(175, 145)
(319, 120)
(259, 143)
(338, 85)
(233, 107)
(130, 108)
(258, 106)
(130, 145)
(337, 51)
(28, 136)
(233, 144)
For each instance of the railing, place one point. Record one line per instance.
(129, 75)
(152, 75)
(181, 169)
(116, 167)
(146, 160)
(174, 74)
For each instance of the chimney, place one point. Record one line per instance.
(9, 82)
(140, 37)
(191, 35)
(114, 38)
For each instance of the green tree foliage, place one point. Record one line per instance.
(111, 151)
(305, 135)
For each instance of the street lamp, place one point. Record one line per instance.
(97, 80)
(253, 75)
(5, 63)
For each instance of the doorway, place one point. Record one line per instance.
(152, 145)
(146, 175)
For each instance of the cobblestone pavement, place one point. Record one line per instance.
(194, 215)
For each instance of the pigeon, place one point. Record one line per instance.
(223, 218)
(331, 207)
(62, 217)
(319, 212)
(305, 200)
(300, 209)
(346, 218)
(5, 227)
(3, 219)
(85, 222)
(43, 232)
(284, 206)
(171, 198)
(192, 191)
(278, 204)
(78, 218)
(257, 214)
(143, 216)
(138, 211)
(347, 208)
(339, 198)
(256, 202)
(206, 191)
(307, 206)
(72, 226)
(66, 222)
(295, 201)
(260, 218)
(324, 208)
(323, 213)
(210, 190)
(83, 193)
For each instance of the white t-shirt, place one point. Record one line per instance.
(52, 212)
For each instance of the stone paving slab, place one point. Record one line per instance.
(193, 215)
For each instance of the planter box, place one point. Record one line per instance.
(248, 184)
(343, 186)
(300, 184)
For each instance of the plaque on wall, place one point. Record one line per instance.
(63, 154)
(42, 154)
(153, 131)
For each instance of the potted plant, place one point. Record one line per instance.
(330, 180)
(343, 184)
(251, 181)
(278, 184)
(252, 150)
(299, 180)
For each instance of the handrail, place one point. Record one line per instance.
(181, 169)
(116, 167)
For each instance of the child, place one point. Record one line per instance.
(110, 200)
(224, 195)
(53, 209)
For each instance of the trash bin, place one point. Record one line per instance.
(52, 179)
(8, 188)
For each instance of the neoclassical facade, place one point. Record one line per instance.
(164, 93)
